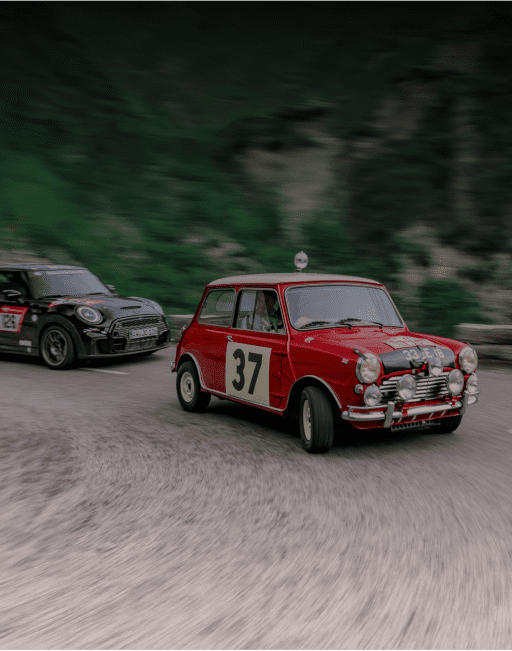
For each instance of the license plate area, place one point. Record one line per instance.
(139, 333)
(412, 425)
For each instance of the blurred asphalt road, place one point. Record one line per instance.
(128, 523)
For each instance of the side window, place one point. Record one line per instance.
(12, 280)
(218, 308)
(259, 310)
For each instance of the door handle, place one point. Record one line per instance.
(229, 337)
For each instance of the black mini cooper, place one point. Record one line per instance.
(65, 313)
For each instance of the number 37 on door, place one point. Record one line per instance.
(247, 372)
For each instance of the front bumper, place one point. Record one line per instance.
(408, 412)
(98, 345)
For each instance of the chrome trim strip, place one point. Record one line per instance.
(350, 415)
(427, 409)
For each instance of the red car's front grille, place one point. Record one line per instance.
(429, 388)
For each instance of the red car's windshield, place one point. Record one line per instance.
(314, 306)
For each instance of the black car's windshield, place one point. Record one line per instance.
(332, 306)
(66, 282)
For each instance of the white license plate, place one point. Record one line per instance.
(143, 332)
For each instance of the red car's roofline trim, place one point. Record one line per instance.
(288, 278)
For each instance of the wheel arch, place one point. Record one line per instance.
(311, 380)
(60, 321)
(189, 357)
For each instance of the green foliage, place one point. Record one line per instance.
(481, 272)
(443, 304)
(418, 253)
(116, 152)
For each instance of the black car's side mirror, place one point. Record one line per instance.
(11, 294)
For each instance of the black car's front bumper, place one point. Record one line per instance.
(117, 340)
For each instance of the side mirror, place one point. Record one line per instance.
(111, 287)
(11, 294)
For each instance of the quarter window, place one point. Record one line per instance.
(218, 308)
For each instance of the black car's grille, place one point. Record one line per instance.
(429, 388)
(122, 327)
(120, 333)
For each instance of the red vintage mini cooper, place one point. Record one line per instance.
(332, 350)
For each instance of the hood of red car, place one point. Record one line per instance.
(390, 344)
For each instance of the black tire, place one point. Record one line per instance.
(316, 420)
(447, 425)
(57, 348)
(188, 389)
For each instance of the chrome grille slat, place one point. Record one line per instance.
(123, 326)
(429, 388)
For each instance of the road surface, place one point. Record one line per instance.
(128, 523)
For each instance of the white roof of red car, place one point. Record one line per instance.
(274, 279)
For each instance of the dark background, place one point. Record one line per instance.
(155, 143)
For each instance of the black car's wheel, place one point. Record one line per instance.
(57, 348)
(189, 389)
(316, 420)
(447, 425)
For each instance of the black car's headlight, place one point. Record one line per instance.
(88, 314)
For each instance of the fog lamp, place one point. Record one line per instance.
(472, 383)
(406, 387)
(372, 395)
(455, 382)
(435, 366)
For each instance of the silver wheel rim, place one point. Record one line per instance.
(187, 387)
(55, 347)
(306, 420)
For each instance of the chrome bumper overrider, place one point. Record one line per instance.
(390, 415)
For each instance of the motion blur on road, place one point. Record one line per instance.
(128, 523)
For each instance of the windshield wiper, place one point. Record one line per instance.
(96, 293)
(312, 323)
(331, 323)
(344, 321)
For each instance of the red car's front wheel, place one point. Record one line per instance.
(316, 420)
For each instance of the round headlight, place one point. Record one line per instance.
(435, 366)
(455, 382)
(472, 383)
(368, 368)
(406, 387)
(468, 359)
(89, 314)
(372, 395)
